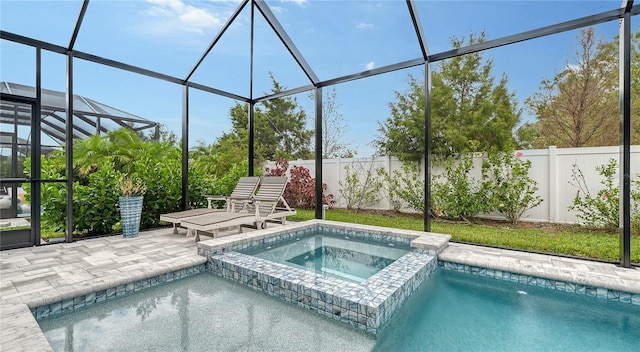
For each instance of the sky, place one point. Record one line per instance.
(336, 38)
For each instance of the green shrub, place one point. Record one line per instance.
(361, 186)
(404, 186)
(99, 162)
(602, 210)
(507, 185)
(457, 195)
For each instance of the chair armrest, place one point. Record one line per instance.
(212, 198)
(216, 197)
(241, 199)
(258, 199)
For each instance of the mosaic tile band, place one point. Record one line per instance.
(564, 286)
(367, 305)
(69, 305)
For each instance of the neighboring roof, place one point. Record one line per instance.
(90, 116)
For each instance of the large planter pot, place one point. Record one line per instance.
(130, 212)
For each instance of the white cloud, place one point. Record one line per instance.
(370, 66)
(277, 9)
(297, 2)
(364, 25)
(169, 16)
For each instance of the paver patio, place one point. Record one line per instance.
(31, 277)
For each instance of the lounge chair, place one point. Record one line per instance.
(269, 196)
(245, 189)
(262, 208)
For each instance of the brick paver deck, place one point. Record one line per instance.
(31, 277)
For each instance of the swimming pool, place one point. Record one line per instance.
(461, 311)
(451, 311)
(202, 312)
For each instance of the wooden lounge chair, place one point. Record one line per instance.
(262, 208)
(245, 189)
(270, 201)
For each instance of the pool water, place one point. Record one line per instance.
(349, 265)
(199, 313)
(455, 311)
(342, 257)
(451, 311)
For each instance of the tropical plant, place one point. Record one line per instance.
(100, 163)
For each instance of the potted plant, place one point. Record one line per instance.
(131, 197)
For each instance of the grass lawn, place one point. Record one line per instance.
(557, 239)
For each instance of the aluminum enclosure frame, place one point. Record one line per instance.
(624, 13)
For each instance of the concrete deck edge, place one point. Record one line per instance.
(62, 293)
(20, 330)
(570, 270)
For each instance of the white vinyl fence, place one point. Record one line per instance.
(551, 168)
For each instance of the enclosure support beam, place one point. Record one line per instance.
(69, 147)
(185, 147)
(252, 134)
(625, 140)
(288, 43)
(427, 146)
(252, 105)
(215, 40)
(418, 28)
(36, 174)
(76, 28)
(536, 33)
(318, 152)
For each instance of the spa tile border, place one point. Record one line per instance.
(422, 242)
(564, 286)
(367, 306)
(83, 301)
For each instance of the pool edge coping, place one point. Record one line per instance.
(521, 263)
(429, 241)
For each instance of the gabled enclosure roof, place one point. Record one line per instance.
(406, 41)
(90, 116)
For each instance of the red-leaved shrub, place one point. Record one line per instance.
(301, 189)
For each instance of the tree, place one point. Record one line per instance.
(280, 127)
(527, 136)
(579, 106)
(334, 127)
(470, 112)
(635, 86)
(218, 158)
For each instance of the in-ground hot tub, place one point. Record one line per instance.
(340, 256)
(357, 274)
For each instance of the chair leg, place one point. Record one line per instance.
(175, 228)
